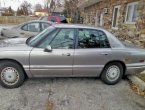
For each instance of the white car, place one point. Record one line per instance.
(27, 29)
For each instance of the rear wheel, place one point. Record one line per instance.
(11, 74)
(112, 73)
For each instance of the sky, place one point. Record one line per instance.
(16, 3)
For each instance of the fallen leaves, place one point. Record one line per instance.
(137, 90)
(50, 105)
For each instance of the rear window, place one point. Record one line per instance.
(53, 19)
(63, 19)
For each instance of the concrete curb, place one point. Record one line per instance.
(137, 81)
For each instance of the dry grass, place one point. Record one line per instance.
(142, 77)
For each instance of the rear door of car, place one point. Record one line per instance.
(92, 52)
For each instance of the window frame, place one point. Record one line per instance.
(77, 38)
(45, 18)
(113, 17)
(31, 23)
(36, 45)
(41, 23)
(22, 27)
(130, 4)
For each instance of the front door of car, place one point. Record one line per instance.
(92, 53)
(55, 62)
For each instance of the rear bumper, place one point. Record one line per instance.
(135, 68)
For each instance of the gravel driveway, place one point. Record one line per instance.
(70, 94)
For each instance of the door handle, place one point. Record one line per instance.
(66, 54)
(104, 53)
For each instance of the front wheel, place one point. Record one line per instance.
(112, 73)
(11, 74)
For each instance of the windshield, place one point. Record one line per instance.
(40, 36)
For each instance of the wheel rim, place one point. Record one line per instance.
(113, 73)
(9, 76)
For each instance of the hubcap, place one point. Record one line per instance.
(113, 73)
(9, 76)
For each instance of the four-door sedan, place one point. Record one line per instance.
(69, 51)
(27, 29)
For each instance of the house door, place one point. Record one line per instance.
(97, 19)
(102, 19)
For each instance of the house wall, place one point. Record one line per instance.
(133, 32)
(41, 13)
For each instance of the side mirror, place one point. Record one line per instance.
(48, 49)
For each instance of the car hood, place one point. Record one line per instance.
(15, 44)
(14, 41)
(9, 27)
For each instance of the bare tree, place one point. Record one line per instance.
(26, 7)
(51, 5)
(38, 7)
(71, 9)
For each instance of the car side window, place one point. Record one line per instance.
(44, 26)
(53, 19)
(92, 39)
(33, 27)
(64, 39)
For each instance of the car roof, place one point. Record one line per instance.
(75, 26)
(39, 21)
(33, 21)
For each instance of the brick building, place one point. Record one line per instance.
(125, 18)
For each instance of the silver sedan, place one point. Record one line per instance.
(27, 29)
(69, 51)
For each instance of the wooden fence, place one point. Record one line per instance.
(15, 19)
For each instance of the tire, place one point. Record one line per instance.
(112, 73)
(11, 74)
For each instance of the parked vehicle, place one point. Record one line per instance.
(27, 29)
(55, 19)
(69, 51)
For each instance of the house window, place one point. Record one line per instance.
(116, 14)
(132, 13)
